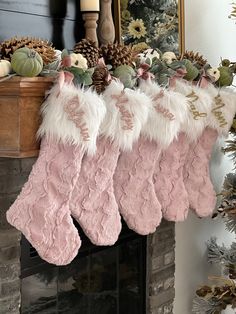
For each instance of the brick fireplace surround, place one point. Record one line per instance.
(160, 249)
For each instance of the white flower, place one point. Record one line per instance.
(58, 54)
(149, 54)
(168, 57)
(214, 73)
(78, 61)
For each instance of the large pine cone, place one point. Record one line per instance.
(117, 54)
(89, 50)
(194, 57)
(100, 78)
(43, 47)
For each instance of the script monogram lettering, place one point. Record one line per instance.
(160, 109)
(75, 114)
(193, 97)
(126, 116)
(218, 113)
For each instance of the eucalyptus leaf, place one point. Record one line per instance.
(64, 53)
(148, 61)
(155, 69)
(155, 60)
(90, 71)
(76, 71)
(87, 80)
(177, 64)
(46, 72)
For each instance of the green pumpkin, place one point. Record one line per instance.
(226, 76)
(126, 75)
(192, 71)
(26, 62)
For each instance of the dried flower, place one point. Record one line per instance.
(140, 47)
(137, 28)
(125, 15)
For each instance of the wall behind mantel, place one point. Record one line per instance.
(209, 31)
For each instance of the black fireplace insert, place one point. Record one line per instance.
(100, 280)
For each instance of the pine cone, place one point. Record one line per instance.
(117, 54)
(43, 47)
(100, 78)
(194, 57)
(89, 50)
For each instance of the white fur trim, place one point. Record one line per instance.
(123, 121)
(57, 123)
(167, 114)
(222, 115)
(197, 118)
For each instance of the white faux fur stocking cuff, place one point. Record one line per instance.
(199, 104)
(223, 109)
(127, 112)
(166, 115)
(73, 116)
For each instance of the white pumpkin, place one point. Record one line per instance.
(5, 68)
(78, 61)
(168, 57)
(214, 73)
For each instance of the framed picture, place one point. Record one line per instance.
(150, 23)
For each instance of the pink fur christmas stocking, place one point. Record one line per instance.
(168, 180)
(71, 120)
(202, 197)
(168, 175)
(133, 178)
(93, 203)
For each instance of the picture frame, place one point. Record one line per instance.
(172, 39)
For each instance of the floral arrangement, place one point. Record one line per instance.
(93, 66)
(146, 24)
(215, 299)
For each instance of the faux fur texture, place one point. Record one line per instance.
(166, 115)
(127, 112)
(73, 116)
(199, 103)
(223, 109)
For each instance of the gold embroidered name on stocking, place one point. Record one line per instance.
(192, 98)
(218, 113)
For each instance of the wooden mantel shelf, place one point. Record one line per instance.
(20, 101)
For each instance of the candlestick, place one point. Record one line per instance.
(106, 28)
(90, 26)
(89, 5)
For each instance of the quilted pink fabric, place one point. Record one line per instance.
(201, 193)
(134, 190)
(41, 211)
(93, 203)
(168, 180)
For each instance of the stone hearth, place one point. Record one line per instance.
(160, 254)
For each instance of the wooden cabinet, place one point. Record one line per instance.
(20, 101)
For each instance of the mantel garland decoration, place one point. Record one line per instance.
(123, 134)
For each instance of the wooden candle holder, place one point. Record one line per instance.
(106, 28)
(90, 24)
